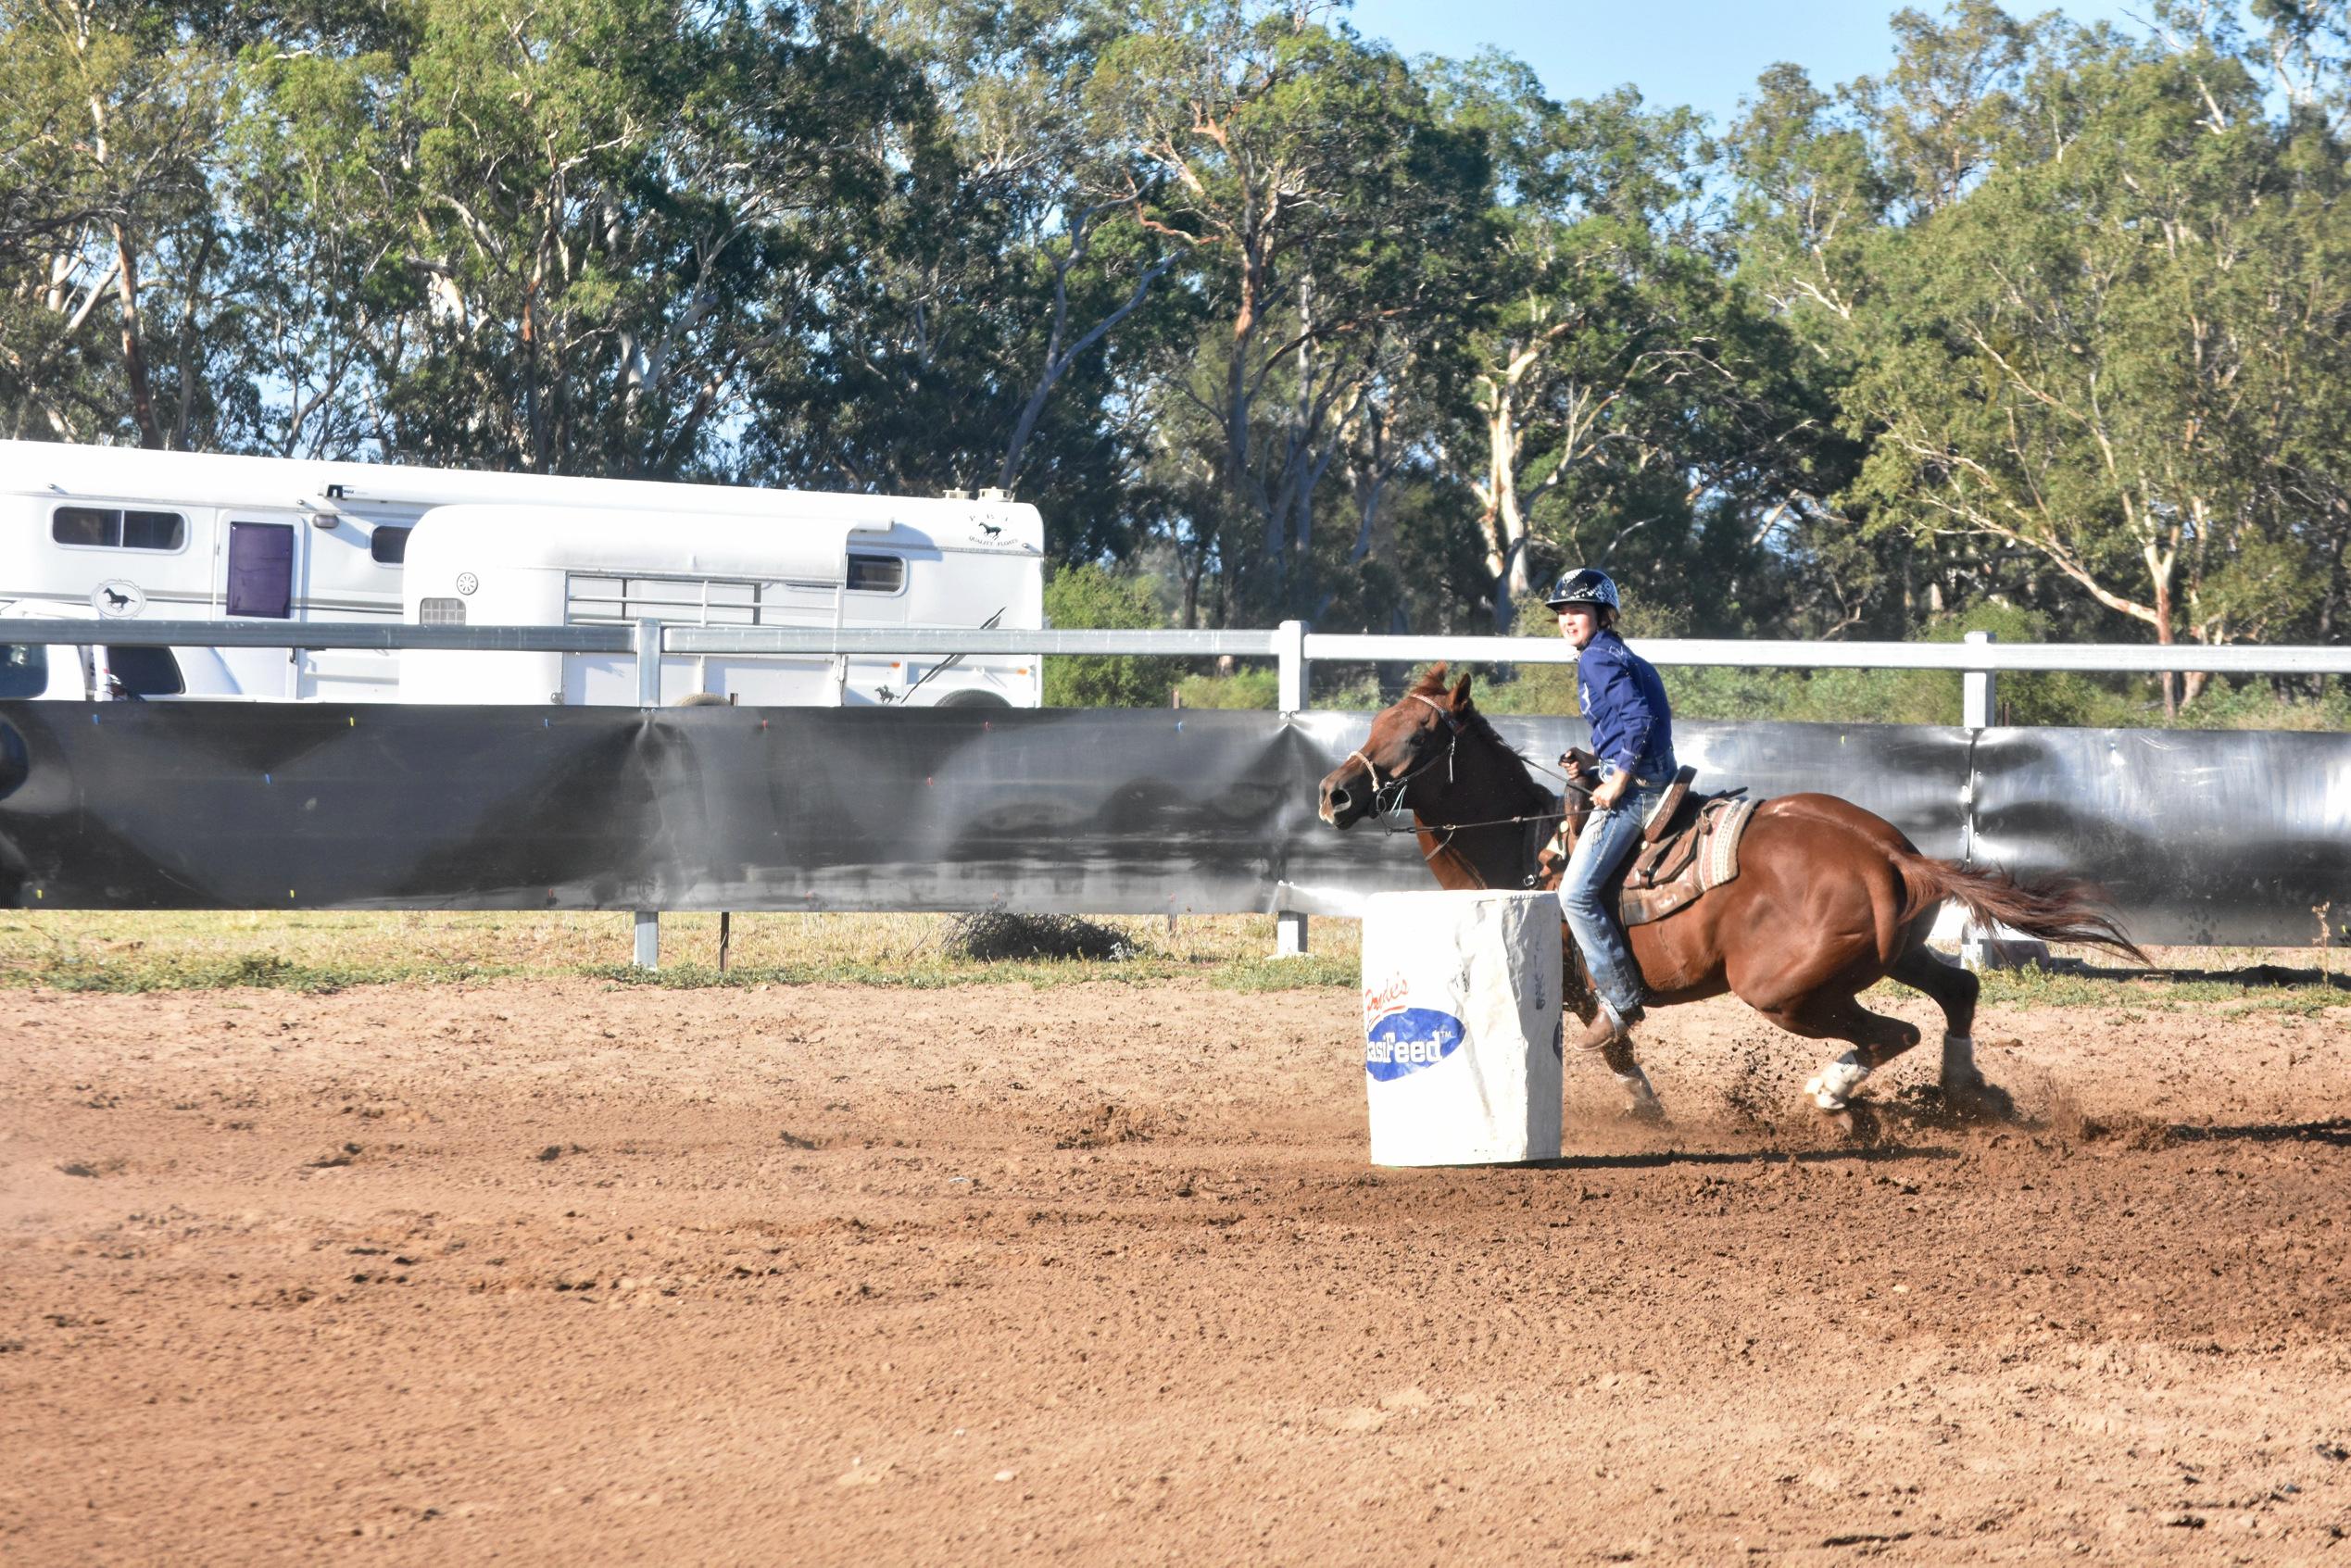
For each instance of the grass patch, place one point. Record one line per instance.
(2235, 980)
(319, 951)
(322, 951)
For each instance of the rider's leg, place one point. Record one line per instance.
(1607, 841)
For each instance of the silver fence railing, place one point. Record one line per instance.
(1293, 649)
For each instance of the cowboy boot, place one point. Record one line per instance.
(1604, 1031)
(1600, 1032)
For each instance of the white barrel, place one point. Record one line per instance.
(1460, 1027)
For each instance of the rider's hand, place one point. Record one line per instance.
(1611, 789)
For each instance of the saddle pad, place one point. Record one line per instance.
(1716, 862)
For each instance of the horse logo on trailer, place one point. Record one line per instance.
(118, 598)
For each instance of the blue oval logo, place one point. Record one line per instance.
(1409, 1039)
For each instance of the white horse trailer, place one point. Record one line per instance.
(120, 534)
(858, 562)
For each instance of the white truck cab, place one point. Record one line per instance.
(95, 672)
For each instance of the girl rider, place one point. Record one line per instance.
(1633, 732)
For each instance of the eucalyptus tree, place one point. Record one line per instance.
(593, 193)
(2098, 357)
(995, 286)
(110, 235)
(325, 298)
(1335, 222)
(1629, 403)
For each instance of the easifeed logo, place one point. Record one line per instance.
(1408, 1039)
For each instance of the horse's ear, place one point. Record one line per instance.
(1435, 678)
(1461, 693)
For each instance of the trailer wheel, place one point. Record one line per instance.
(971, 700)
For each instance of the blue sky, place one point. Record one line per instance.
(1703, 53)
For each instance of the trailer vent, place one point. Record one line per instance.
(440, 612)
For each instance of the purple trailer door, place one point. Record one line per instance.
(261, 568)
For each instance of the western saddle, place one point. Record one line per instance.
(1689, 845)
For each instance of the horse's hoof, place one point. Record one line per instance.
(1640, 1099)
(1832, 1088)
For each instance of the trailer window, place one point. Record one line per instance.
(154, 531)
(84, 525)
(24, 670)
(146, 671)
(113, 528)
(876, 574)
(389, 546)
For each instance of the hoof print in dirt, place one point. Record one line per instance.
(1979, 1101)
(1860, 1122)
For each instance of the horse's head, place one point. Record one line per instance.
(1414, 735)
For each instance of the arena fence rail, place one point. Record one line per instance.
(2202, 837)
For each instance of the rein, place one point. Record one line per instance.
(1385, 807)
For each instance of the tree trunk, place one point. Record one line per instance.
(134, 351)
(2160, 567)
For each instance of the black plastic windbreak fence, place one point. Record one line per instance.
(2201, 837)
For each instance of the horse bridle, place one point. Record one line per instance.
(1397, 782)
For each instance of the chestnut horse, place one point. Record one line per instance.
(1828, 900)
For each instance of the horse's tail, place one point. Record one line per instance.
(2057, 909)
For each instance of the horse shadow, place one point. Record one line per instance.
(1667, 1158)
(2250, 975)
(1880, 1142)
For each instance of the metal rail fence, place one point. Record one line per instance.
(2028, 799)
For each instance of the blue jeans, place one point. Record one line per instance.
(1608, 842)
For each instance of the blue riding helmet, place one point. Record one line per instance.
(1584, 586)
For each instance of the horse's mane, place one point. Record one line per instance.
(1432, 686)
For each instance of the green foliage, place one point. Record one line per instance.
(1243, 688)
(1089, 599)
(2044, 322)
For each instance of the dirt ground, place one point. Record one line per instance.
(565, 1273)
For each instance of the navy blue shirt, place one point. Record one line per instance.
(1624, 703)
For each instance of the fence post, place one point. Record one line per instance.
(1976, 697)
(1289, 646)
(1290, 934)
(1975, 691)
(648, 694)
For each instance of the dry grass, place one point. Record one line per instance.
(325, 949)
(117, 950)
